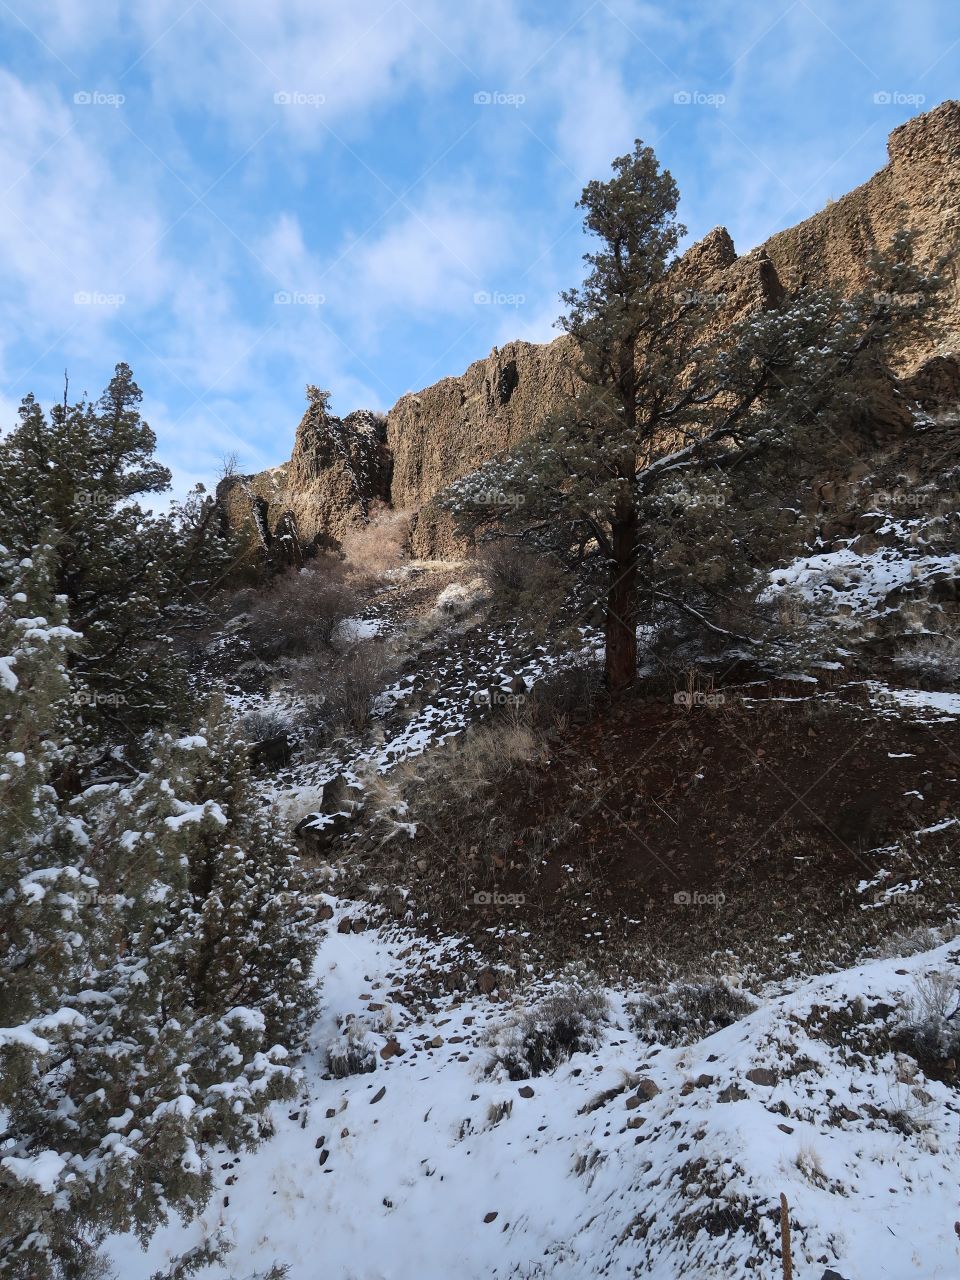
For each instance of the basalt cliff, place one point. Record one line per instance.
(341, 468)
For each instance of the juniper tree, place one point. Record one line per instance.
(130, 579)
(167, 1025)
(674, 405)
(257, 930)
(155, 950)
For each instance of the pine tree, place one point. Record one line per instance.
(43, 886)
(674, 405)
(154, 975)
(131, 579)
(257, 932)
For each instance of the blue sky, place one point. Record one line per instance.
(238, 198)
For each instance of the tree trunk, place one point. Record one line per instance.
(620, 660)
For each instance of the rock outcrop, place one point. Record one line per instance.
(432, 437)
(918, 189)
(340, 467)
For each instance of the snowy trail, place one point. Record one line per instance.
(683, 1183)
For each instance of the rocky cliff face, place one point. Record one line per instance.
(340, 467)
(918, 189)
(431, 438)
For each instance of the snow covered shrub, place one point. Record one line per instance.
(155, 952)
(271, 733)
(566, 1021)
(930, 1029)
(934, 659)
(264, 724)
(352, 1052)
(689, 1011)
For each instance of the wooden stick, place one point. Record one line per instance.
(785, 1238)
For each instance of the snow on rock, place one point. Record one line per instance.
(928, 707)
(352, 630)
(860, 581)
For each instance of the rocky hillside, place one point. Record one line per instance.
(430, 438)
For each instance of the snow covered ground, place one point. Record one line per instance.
(635, 1159)
(861, 581)
(632, 1160)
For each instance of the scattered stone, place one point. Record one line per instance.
(378, 1095)
(435, 1043)
(525, 1092)
(762, 1075)
(486, 981)
(345, 925)
(391, 1049)
(732, 1093)
(489, 1217)
(785, 1128)
(647, 1089)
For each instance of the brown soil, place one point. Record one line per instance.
(773, 806)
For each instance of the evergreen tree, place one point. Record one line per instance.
(154, 973)
(130, 579)
(257, 931)
(675, 406)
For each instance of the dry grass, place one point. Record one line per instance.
(371, 550)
